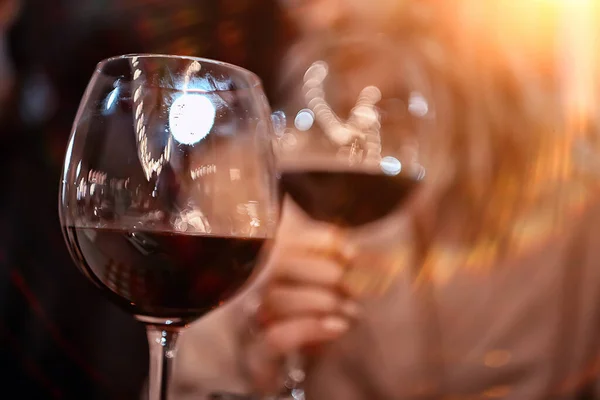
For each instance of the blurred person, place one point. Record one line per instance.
(502, 233)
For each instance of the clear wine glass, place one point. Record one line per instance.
(348, 137)
(168, 190)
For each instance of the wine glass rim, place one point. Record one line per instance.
(254, 80)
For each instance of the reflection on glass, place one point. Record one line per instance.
(191, 118)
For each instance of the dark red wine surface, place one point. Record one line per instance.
(164, 275)
(346, 199)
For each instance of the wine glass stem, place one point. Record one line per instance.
(162, 342)
(296, 375)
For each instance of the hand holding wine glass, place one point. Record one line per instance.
(348, 157)
(302, 303)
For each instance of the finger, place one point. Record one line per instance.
(282, 301)
(324, 240)
(290, 335)
(307, 271)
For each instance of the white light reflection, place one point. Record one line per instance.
(67, 161)
(304, 120)
(363, 123)
(203, 171)
(137, 94)
(191, 118)
(149, 164)
(111, 99)
(390, 165)
(279, 121)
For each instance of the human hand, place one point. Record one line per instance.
(303, 303)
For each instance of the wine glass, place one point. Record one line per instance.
(168, 190)
(348, 139)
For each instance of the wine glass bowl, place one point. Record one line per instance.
(350, 153)
(168, 192)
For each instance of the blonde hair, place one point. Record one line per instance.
(497, 110)
(501, 148)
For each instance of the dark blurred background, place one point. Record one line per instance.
(59, 338)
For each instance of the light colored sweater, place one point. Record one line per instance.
(529, 329)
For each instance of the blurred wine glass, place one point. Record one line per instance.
(168, 192)
(348, 153)
(349, 133)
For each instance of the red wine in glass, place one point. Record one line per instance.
(346, 198)
(162, 274)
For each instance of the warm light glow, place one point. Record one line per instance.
(579, 40)
(149, 163)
